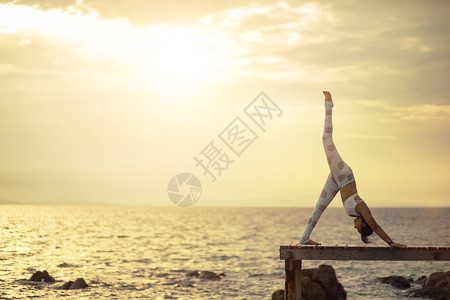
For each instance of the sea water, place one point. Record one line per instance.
(145, 252)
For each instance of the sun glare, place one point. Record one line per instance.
(167, 57)
(180, 58)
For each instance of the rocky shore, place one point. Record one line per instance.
(321, 284)
(44, 278)
(436, 286)
(318, 283)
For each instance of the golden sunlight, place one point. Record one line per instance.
(179, 58)
(171, 58)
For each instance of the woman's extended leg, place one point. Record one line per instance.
(329, 191)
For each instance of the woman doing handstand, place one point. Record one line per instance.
(341, 180)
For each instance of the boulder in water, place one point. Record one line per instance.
(428, 292)
(205, 275)
(42, 277)
(78, 284)
(318, 284)
(438, 279)
(63, 265)
(317, 292)
(66, 286)
(209, 275)
(325, 277)
(421, 280)
(193, 274)
(278, 295)
(397, 281)
(437, 286)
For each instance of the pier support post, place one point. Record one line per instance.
(293, 280)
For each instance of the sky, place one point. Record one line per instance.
(107, 103)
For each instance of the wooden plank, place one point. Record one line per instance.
(361, 252)
(340, 247)
(293, 284)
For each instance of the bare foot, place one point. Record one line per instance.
(327, 96)
(311, 242)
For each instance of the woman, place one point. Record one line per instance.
(341, 180)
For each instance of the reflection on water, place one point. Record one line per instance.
(131, 252)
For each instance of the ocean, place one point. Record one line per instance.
(145, 252)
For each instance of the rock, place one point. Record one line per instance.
(397, 281)
(318, 292)
(435, 278)
(428, 292)
(326, 278)
(278, 295)
(443, 284)
(320, 284)
(421, 280)
(306, 287)
(439, 281)
(42, 277)
(437, 286)
(206, 275)
(193, 274)
(66, 285)
(63, 265)
(209, 275)
(78, 284)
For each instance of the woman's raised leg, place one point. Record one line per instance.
(340, 171)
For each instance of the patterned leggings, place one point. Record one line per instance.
(340, 174)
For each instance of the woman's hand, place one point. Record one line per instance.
(397, 245)
(327, 95)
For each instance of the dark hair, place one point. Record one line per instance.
(365, 231)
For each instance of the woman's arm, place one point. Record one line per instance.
(367, 215)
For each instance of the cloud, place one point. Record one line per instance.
(351, 46)
(424, 112)
(357, 42)
(138, 12)
(369, 136)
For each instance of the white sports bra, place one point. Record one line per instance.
(350, 205)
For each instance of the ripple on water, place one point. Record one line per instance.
(144, 252)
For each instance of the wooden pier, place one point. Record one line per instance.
(294, 254)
